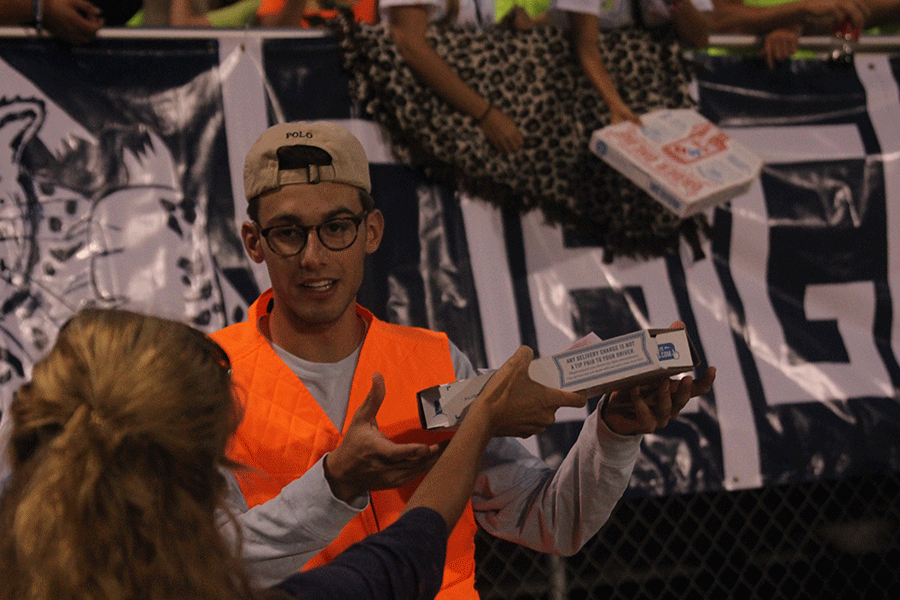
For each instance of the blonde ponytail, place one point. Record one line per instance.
(115, 446)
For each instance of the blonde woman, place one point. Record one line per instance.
(118, 456)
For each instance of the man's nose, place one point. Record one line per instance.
(313, 251)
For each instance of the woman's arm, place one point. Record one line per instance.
(510, 405)
(585, 28)
(15, 12)
(183, 13)
(732, 16)
(691, 25)
(73, 21)
(883, 13)
(408, 25)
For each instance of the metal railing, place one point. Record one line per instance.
(824, 44)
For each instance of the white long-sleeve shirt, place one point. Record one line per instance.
(517, 497)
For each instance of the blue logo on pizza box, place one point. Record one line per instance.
(667, 351)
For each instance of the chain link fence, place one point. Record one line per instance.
(823, 539)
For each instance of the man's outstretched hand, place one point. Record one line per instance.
(644, 409)
(366, 460)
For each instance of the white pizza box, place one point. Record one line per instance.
(592, 365)
(680, 158)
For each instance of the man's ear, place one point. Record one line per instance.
(252, 241)
(374, 225)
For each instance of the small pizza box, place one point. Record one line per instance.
(680, 158)
(598, 367)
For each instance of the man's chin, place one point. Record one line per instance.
(320, 316)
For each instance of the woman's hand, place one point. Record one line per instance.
(408, 26)
(620, 113)
(779, 45)
(73, 21)
(501, 131)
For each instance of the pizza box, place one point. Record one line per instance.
(680, 158)
(592, 365)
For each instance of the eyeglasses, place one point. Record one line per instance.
(335, 234)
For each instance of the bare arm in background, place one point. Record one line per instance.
(781, 26)
(883, 13)
(408, 25)
(816, 16)
(187, 13)
(73, 21)
(691, 25)
(585, 28)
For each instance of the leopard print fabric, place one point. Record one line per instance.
(534, 78)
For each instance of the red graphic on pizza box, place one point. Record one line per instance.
(703, 141)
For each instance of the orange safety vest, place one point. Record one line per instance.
(284, 431)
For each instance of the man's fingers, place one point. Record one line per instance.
(681, 395)
(704, 384)
(368, 410)
(643, 409)
(662, 405)
(408, 454)
(400, 469)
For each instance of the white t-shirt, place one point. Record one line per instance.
(474, 13)
(617, 13)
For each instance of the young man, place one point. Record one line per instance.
(304, 361)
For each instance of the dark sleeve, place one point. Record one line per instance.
(403, 562)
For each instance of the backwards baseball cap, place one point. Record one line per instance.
(305, 152)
